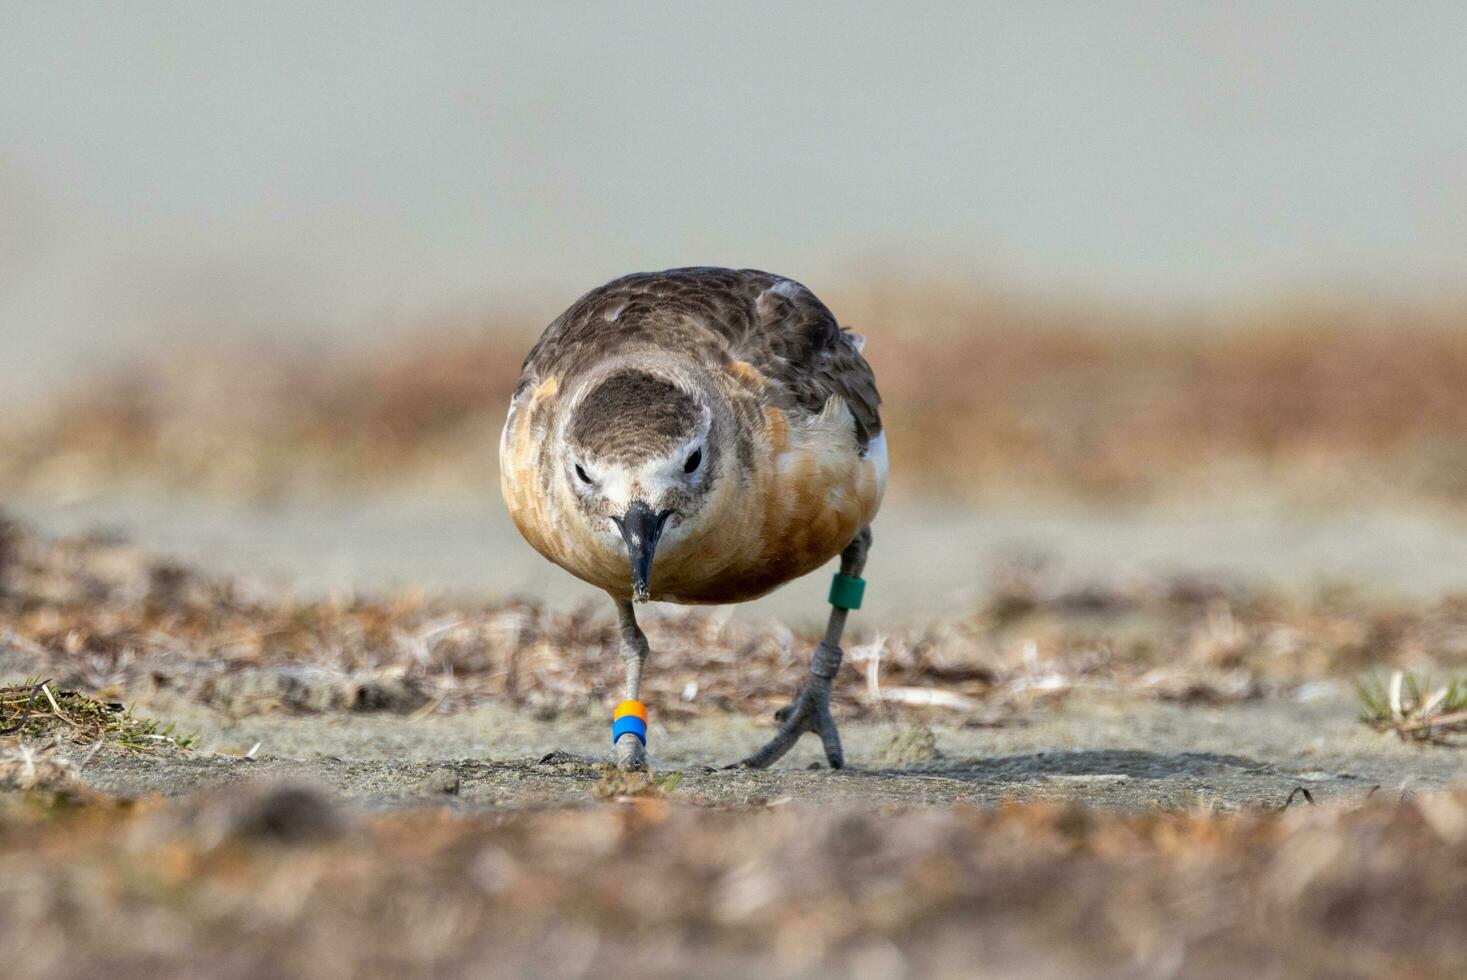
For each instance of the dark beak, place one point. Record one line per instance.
(641, 528)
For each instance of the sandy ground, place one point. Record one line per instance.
(1105, 751)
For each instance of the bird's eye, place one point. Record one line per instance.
(693, 460)
(581, 472)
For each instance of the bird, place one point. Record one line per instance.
(700, 435)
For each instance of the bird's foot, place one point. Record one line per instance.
(630, 753)
(810, 712)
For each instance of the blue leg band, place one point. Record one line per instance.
(629, 723)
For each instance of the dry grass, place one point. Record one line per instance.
(984, 398)
(102, 617)
(1415, 709)
(35, 711)
(278, 882)
(622, 785)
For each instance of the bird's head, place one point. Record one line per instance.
(639, 457)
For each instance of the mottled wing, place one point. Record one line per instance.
(797, 343)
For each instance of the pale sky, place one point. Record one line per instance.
(172, 170)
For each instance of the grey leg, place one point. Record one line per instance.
(811, 709)
(630, 753)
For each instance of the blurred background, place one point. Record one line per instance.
(1144, 284)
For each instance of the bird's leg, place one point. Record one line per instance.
(810, 711)
(630, 753)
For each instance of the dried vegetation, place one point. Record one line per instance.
(985, 397)
(34, 711)
(253, 882)
(108, 619)
(1415, 709)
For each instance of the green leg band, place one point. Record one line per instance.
(846, 592)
